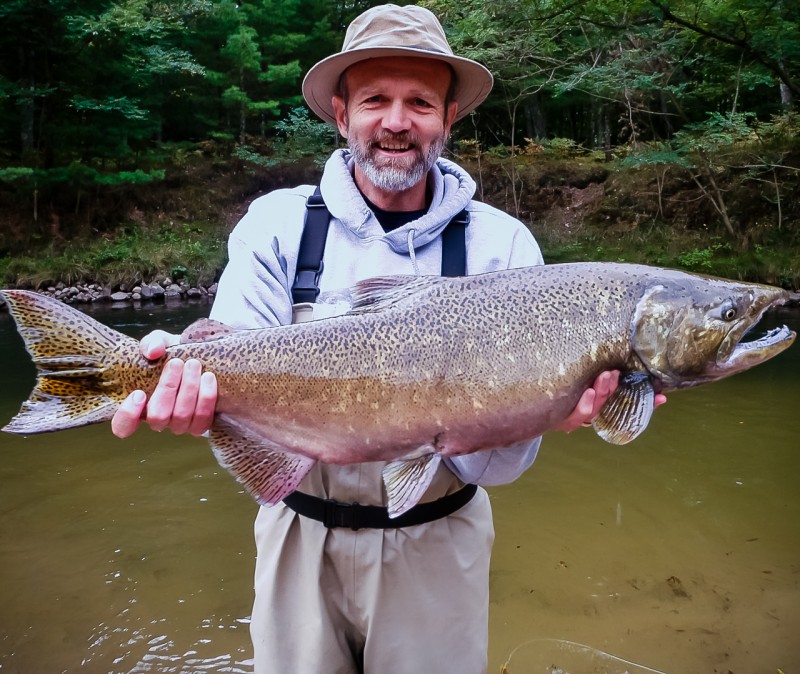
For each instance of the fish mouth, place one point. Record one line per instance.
(746, 354)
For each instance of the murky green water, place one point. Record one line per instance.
(680, 552)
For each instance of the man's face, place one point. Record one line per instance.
(395, 119)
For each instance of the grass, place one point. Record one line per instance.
(132, 255)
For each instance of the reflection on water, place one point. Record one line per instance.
(119, 556)
(679, 552)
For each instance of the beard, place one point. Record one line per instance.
(394, 175)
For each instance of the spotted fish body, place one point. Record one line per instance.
(419, 369)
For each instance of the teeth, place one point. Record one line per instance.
(393, 146)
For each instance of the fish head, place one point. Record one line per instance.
(690, 331)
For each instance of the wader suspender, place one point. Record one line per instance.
(312, 245)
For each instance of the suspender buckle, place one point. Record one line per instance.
(306, 284)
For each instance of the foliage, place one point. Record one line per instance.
(132, 256)
(99, 97)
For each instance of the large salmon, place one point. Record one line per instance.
(421, 367)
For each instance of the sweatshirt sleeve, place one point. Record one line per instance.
(494, 467)
(255, 287)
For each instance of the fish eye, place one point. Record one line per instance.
(728, 313)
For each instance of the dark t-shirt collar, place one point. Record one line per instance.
(391, 220)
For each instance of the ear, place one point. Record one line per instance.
(340, 112)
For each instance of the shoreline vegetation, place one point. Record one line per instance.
(167, 238)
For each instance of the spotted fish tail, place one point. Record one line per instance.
(83, 367)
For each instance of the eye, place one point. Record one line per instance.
(728, 313)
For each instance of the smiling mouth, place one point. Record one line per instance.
(394, 147)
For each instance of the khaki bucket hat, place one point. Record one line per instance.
(391, 30)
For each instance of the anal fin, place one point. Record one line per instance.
(627, 412)
(268, 473)
(407, 479)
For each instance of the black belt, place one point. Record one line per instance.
(356, 516)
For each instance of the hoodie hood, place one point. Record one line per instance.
(452, 190)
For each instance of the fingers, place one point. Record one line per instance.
(582, 412)
(605, 384)
(203, 415)
(184, 399)
(591, 401)
(154, 345)
(126, 419)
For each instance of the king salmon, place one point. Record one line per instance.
(420, 368)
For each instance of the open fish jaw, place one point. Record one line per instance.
(748, 354)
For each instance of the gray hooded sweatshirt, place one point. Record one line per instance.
(255, 288)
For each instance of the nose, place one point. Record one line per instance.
(396, 118)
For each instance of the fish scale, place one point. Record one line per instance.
(421, 367)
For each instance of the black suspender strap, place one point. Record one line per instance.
(315, 231)
(312, 245)
(454, 246)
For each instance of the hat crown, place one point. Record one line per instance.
(394, 26)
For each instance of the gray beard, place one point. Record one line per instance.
(391, 177)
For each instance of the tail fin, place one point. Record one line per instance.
(77, 383)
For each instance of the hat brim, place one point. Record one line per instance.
(321, 83)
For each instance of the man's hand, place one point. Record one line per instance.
(183, 401)
(593, 399)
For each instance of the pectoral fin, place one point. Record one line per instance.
(267, 473)
(406, 480)
(627, 412)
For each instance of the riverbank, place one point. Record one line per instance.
(158, 291)
(578, 205)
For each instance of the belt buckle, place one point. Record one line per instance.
(336, 514)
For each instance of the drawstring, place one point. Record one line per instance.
(411, 233)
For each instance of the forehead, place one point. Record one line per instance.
(418, 73)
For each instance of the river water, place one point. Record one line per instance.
(679, 553)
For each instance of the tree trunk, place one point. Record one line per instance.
(535, 121)
(25, 99)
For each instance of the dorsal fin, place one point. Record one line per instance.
(382, 292)
(205, 330)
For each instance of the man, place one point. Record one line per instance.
(380, 598)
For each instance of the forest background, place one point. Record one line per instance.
(134, 133)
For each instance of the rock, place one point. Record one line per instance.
(120, 296)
